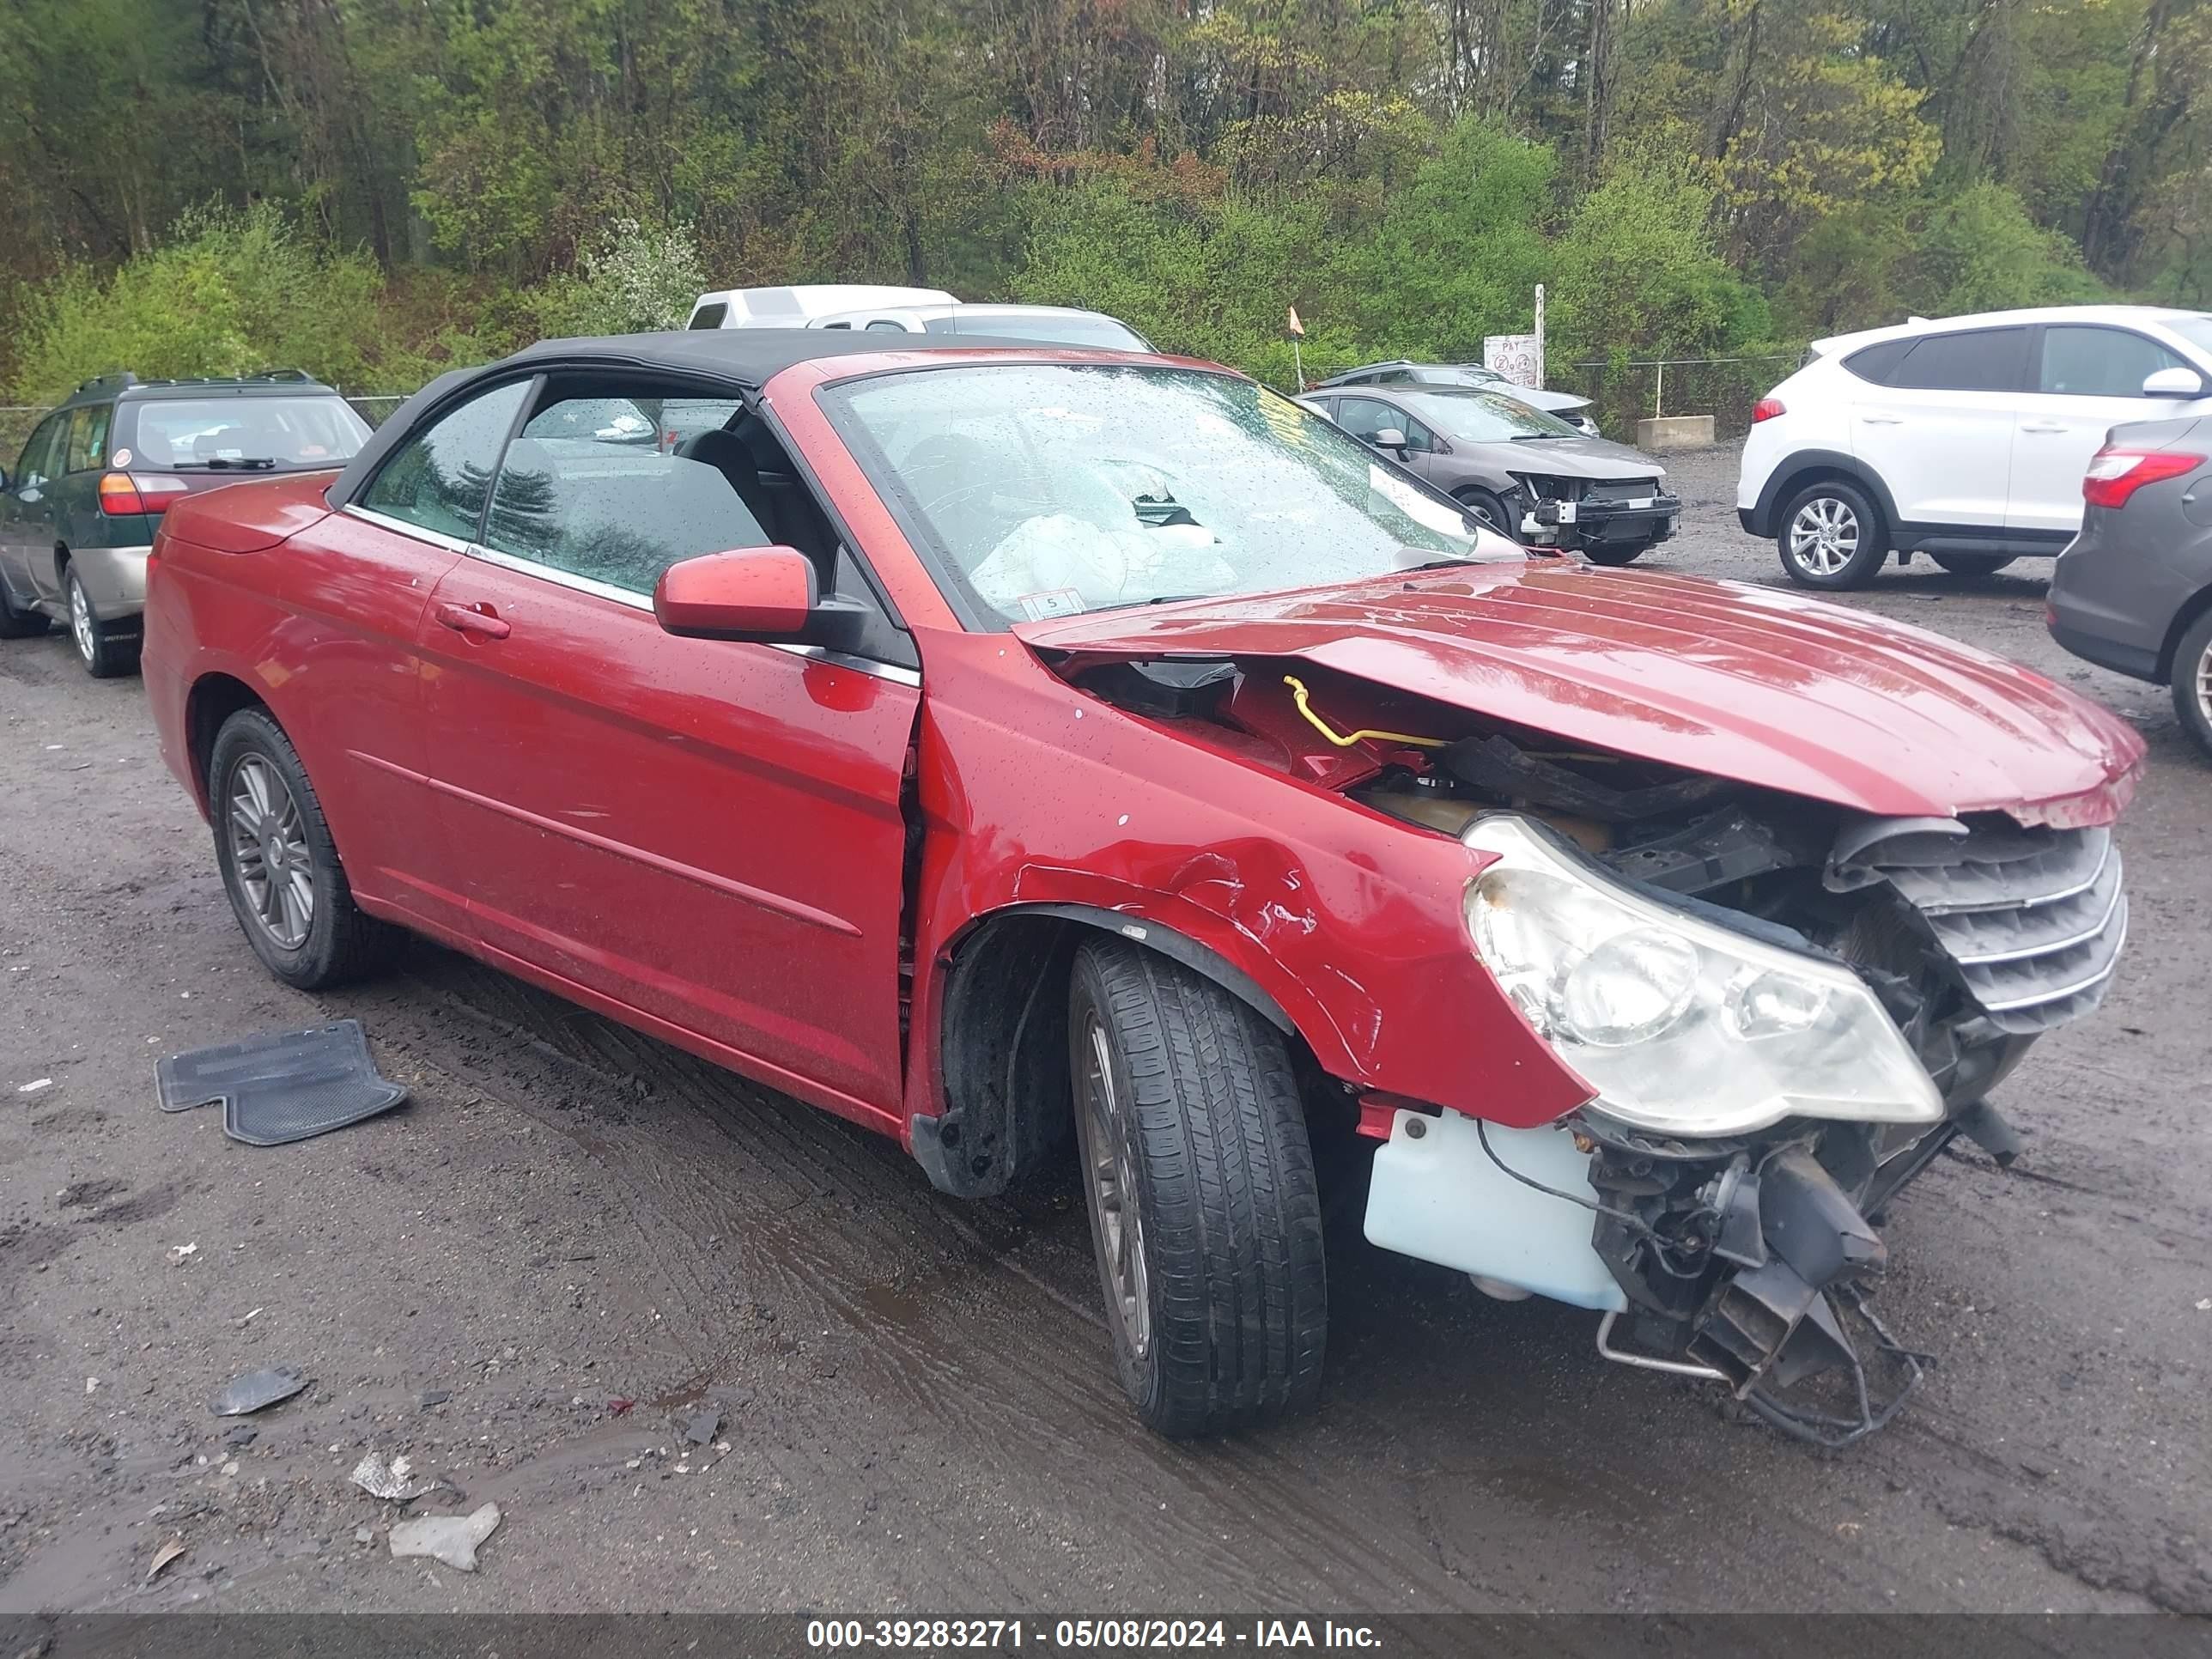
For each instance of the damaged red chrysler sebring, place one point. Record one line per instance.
(1031, 753)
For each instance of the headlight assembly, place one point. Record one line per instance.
(1682, 1025)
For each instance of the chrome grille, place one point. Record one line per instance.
(2034, 920)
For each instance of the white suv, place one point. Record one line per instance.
(1964, 439)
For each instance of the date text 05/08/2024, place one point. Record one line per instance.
(830, 1635)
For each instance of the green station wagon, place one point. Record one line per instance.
(78, 510)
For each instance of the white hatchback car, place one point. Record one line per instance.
(1965, 439)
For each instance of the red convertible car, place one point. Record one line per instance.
(1035, 753)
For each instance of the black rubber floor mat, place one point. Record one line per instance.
(281, 1087)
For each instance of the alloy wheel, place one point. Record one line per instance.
(1823, 537)
(82, 626)
(269, 850)
(2204, 685)
(1107, 1170)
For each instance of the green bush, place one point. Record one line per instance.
(1637, 266)
(1459, 252)
(634, 279)
(229, 293)
(1211, 278)
(1978, 250)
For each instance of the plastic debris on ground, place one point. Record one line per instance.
(168, 1552)
(700, 1431)
(281, 1086)
(451, 1539)
(254, 1390)
(395, 1479)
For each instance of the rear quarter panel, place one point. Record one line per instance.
(321, 627)
(1817, 403)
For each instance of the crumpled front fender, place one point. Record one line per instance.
(1034, 795)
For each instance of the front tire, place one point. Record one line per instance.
(1615, 553)
(1205, 1215)
(2192, 681)
(1832, 537)
(1973, 564)
(279, 865)
(1489, 511)
(104, 656)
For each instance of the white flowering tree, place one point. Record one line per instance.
(636, 278)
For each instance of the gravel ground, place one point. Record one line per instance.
(915, 1409)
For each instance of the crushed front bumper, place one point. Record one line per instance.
(1578, 524)
(1744, 1263)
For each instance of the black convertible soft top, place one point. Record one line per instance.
(745, 359)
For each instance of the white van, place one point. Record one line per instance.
(796, 306)
(1047, 325)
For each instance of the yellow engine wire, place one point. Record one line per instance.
(1299, 697)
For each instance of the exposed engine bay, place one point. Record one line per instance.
(1745, 1258)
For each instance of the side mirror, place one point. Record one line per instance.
(765, 594)
(2174, 383)
(1390, 438)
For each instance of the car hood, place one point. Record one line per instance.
(1749, 683)
(1536, 397)
(1564, 458)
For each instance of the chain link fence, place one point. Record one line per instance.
(377, 408)
(1627, 390)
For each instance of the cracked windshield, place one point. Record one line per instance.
(1046, 490)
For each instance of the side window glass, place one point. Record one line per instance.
(1394, 377)
(1877, 362)
(618, 512)
(87, 445)
(35, 467)
(1976, 360)
(1363, 417)
(1418, 437)
(2082, 362)
(884, 325)
(437, 478)
(710, 316)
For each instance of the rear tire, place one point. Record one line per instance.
(279, 865)
(104, 656)
(2192, 681)
(1832, 537)
(1973, 564)
(1205, 1215)
(1616, 553)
